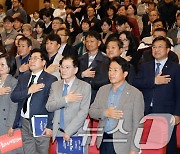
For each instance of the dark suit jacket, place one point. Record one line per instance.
(101, 77)
(38, 99)
(84, 60)
(147, 55)
(70, 50)
(166, 98)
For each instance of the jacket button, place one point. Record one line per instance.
(4, 118)
(4, 110)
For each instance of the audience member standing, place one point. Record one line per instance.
(53, 43)
(90, 60)
(159, 82)
(31, 94)
(69, 100)
(115, 102)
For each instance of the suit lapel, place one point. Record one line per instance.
(59, 89)
(124, 96)
(166, 67)
(152, 71)
(26, 79)
(95, 61)
(74, 85)
(41, 77)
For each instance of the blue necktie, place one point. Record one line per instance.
(64, 93)
(157, 69)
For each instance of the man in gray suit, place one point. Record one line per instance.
(115, 103)
(69, 100)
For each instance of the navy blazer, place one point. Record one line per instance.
(38, 99)
(84, 61)
(166, 98)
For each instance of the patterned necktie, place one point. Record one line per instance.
(25, 103)
(157, 69)
(64, 93)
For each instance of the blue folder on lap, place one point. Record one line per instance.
(72, 147)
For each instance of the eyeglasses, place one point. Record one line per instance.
(34, 58)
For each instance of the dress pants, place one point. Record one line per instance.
(33, 145)
(107, 147)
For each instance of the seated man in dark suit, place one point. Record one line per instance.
(31, 94)
(159, 81)
(90, 61)
(66, 49)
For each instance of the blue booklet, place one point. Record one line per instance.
(39, 123)
(74, 146)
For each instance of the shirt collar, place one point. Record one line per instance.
(70, 83)
(120, 88)
(162, 62)
(37, 74)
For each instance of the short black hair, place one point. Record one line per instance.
(73, 58)
(120, 20)
(59, 19)
(107, 20)
(62, 1)
(112, 7)
(93, 33)
(161, 38)
(160, 30)
(53, 37)
(86, 20)
(67, 31)
(49, 1)
(48, 14)
(160, 20)
(18, 19)
(8, 18)
(122, 62)
(43, 54)
(11, 62)
(40, 24)
(29, 42)
(115, 39)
